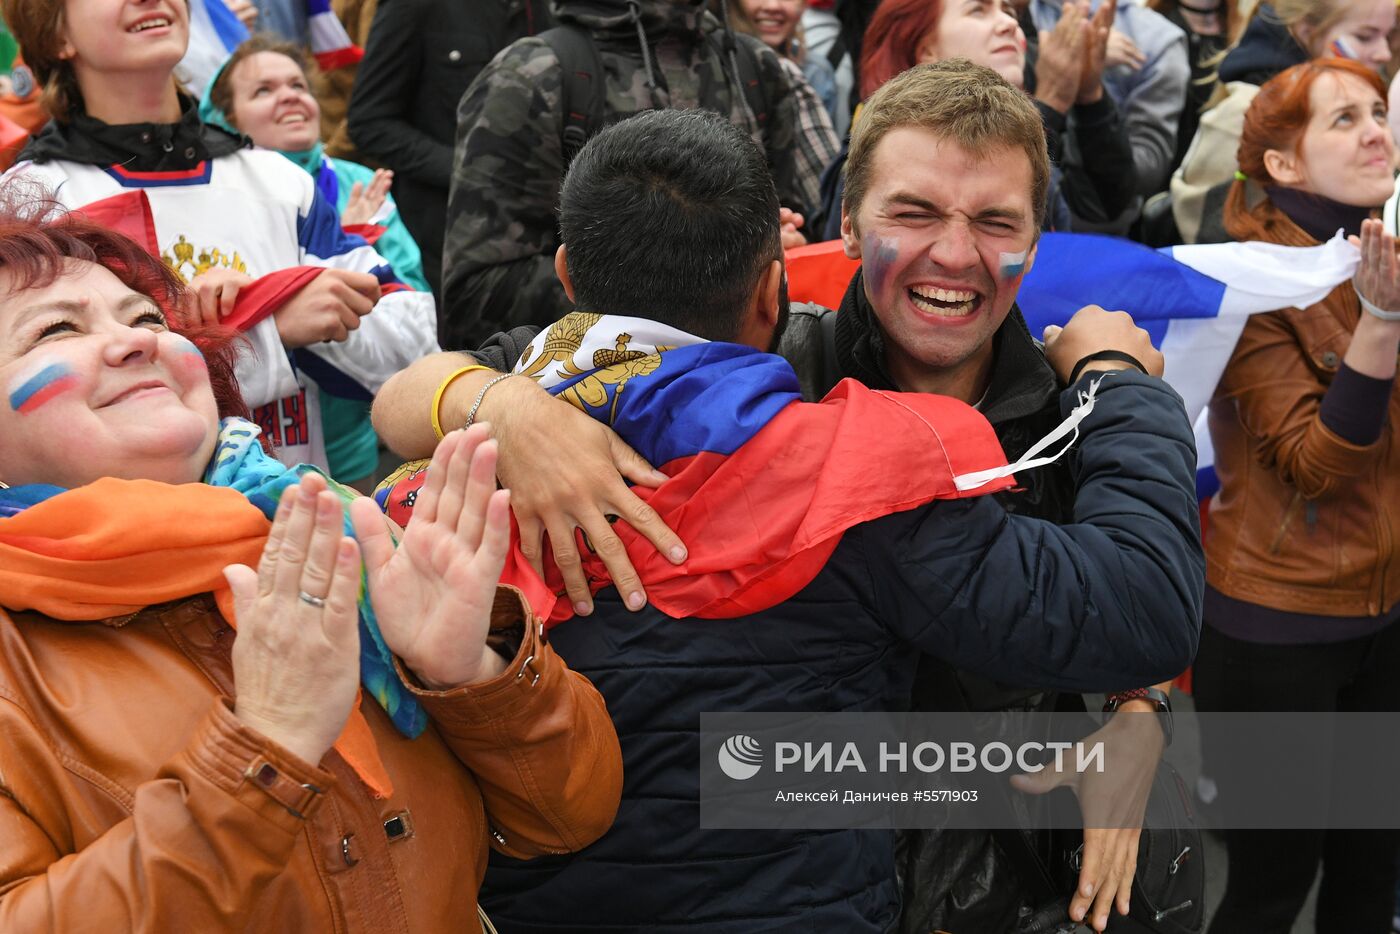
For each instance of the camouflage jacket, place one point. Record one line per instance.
(498, 261)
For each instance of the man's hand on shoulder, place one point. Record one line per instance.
(1092, 331)
(584, 489)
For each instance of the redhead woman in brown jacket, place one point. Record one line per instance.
(219, 711)
(1302, 566)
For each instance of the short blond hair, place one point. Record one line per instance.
(969, 104)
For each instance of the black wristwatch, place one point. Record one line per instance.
(1157, 698)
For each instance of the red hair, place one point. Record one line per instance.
(892, 40)
(1276, 120)
(36, 239)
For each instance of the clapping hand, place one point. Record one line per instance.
(1059, 68)
(1096, 53)
(364, 201)
(1377, 282)
(1124, 51)
(433, 594)
(296, 661)
(1378, 276)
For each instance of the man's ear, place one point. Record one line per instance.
(850, 238)
(761, 313)
(1284, 168)
(561, 269)
(766, 295)
(1030, 257)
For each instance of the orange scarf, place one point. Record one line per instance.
(113, 547)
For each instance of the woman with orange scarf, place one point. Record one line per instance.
(383, 712)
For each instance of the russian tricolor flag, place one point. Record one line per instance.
(1193, 300)
(330, 43)
(762, 485)
(215, 32)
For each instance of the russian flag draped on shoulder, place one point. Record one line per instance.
(762, 486)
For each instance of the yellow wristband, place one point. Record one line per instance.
(442, 389)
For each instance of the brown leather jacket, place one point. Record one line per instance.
(131, 798)
(1305, 521)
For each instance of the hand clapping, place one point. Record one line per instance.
(296, 659)
(433, 594)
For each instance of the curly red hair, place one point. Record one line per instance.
(35, 240)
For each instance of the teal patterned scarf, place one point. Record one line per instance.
(240, 463)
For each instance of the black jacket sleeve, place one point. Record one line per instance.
(1107, 174)
(1104, 185)
(502, 350)
(1110, 602)
(385, 92)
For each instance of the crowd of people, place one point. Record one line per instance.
(540, 252)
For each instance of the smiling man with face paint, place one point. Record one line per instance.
(680, 201)
(946, 234)
(948, 169)
(944, 201)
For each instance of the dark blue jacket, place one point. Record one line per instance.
(1109, 603)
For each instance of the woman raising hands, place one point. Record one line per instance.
(281, 754)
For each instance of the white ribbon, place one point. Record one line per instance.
(1029, 460)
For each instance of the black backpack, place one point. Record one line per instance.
(584, 90)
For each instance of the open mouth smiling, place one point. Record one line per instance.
(155, 22)
(944, 303)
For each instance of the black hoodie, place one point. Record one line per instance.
(1265, 49)
(140, 147)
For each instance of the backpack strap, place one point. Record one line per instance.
(751, 81)
(836, 52)
(831, 370)
(583, 95)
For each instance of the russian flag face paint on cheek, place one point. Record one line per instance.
(879, 255)
(38, 386)
(187, 353)
(1013, 264)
